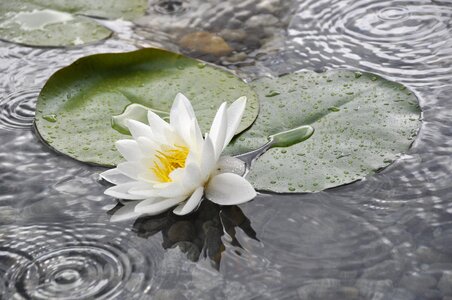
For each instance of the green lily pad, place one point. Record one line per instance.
(76, 105)
(361, 121)
(62, 23)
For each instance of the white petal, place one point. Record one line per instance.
(121, 191)
(208, 159)
(145, 190)
(138, 129)
(149, 201)
(229, 164)
(173, 138)
(193, 157)
(171, 190)
(177, 175)
(191, 204)
(129, 149)
(147, 146)
(196, 139)
(147, 174)
(181, 116)
(160, 127)
(191, 177)
(130, 169)
(126, 212)
(154, 208)
(218, 129)
(229, 189)
(187, 105)
(235, 114)
(115, 176)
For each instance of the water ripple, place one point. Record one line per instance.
(28, 68)
(170, 7)
(242, 29)
(383, 23)
(304, 239)
(404, 40)
(386, 237)
(75, 261)
(322, 235)
(17, 110)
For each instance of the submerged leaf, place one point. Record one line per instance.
(361, 124)
(61, 23)
(83, 97)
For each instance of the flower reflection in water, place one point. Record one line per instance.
(200, 234)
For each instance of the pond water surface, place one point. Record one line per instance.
(386, 237)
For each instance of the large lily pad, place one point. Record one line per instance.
(62, 23)
(361, 121)
(75, 108)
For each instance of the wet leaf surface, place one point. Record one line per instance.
(75, 108)
(362, 123)
(62, 23)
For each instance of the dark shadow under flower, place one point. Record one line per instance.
(198, 235)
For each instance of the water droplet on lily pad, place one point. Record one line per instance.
(345, 146)
(51, 118)
(272, 94)
(334, 109)
(89, 117)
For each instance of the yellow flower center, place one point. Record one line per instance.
(168, 160)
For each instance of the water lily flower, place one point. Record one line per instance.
(169, 164)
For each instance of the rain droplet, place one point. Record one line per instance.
(334, 109)
(272, 94)
(50, 118)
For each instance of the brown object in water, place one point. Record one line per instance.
(206, 43)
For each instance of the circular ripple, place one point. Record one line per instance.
(393, 13)
(379, 22)
(80, 261)
(78, 271)
(318, 240)
(170, 7)
(239, 23)
(404, 40)
(27, 68)
(17, 110)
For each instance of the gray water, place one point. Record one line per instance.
(386, 237)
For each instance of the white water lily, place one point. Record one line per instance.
(169, 164)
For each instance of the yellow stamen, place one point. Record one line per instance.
(168, 160)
